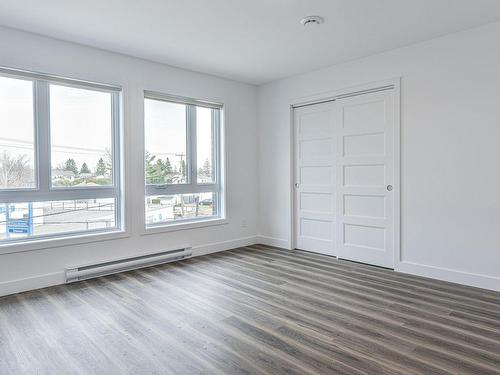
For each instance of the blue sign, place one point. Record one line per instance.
(19, 230)
(24, 223)
(20, 226)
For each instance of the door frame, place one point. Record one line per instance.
(389, 84)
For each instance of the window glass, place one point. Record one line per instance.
(204, 142)
(167, 208)
(81, 137)
(31, 219)
(17, 151)
(165, 142)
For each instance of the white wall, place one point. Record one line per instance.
(450, 148)
(43, 267)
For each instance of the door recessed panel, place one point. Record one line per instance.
(364, 236)
(316, 149)
(316, 175)
(317, 202)
(318, 229)
(364, 145)
(364, 175)
(364, 206)
(363, 116)
(315, 124)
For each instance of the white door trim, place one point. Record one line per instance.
(394, 84)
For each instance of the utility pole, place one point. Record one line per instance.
(182, 155)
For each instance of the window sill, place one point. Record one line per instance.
(172, 227)
(70, 240)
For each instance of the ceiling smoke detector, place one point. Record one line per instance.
(312, 20)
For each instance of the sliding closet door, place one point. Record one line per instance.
(366, 185)
(315, 178)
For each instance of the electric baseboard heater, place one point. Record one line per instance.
(126, 264)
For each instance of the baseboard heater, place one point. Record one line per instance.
(126, 264)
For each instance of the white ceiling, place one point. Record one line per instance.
(254, 41)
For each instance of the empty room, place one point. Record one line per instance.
(249, 187)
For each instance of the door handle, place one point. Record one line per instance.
(297, 185)
(389, 187)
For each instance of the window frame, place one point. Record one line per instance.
(43, 189)
(192, 186)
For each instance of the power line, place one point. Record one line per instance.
(22, 141)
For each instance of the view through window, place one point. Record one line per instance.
(182, 161)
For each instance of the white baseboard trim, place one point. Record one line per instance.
(273, 241)
(57, 278)
(454, 276)
(224, 245)
(30, 283)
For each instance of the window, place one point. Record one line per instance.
(182, 160)
(59, 157)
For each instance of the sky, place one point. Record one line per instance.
(80, 125)
(165, 132)
(16, 116)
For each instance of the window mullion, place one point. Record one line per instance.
(215, 146)
(216, 159)
(192, 157)
(42, 116)
(115, 143)
(116, 156)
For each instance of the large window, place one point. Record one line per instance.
(182, 160)
(59, 157)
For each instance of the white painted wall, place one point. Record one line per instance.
(43, 267)
(450, 151)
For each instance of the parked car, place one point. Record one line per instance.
(206, 202)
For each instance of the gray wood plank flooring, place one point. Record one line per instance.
(254, 310)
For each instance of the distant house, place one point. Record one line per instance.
(61, 174)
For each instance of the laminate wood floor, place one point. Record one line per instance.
(254, 310)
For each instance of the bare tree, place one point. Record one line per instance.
(14, 170)
(108, 160)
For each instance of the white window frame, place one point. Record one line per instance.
(43, 189)
(192, 186)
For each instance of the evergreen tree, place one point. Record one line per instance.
(100, 169)
(149, 167)
(70, 165)
(207, 169)
(168, 167)
(160, 172)
(182, 169)
(85, 169)
(168, 171)
(108, 161)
